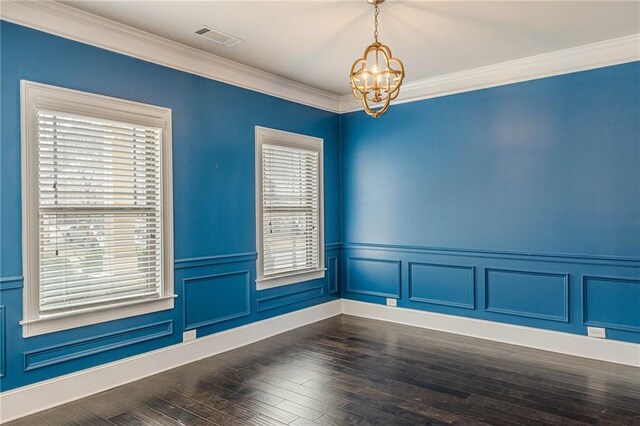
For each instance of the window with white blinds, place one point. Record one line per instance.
(99, 211)
(100, 198)
(290, 208)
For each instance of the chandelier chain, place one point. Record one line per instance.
(375, 22)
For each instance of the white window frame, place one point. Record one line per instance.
(280, 137)
(41, 96)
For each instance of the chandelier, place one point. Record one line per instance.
(377, 76)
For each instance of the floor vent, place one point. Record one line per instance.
(217, 36)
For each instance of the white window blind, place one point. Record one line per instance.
(99, 211)
(290, 209)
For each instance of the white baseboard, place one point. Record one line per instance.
(50, 393)
(547, 340)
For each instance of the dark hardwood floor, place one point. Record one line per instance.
(349, 370)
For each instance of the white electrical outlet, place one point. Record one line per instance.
(189, 335)
(598, 332)
(392, 302)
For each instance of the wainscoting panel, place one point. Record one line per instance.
(211, 299)
(52, 355)
(333, 274)
(3, 340)
(374, 277)
(611, 302)
(442, 284)
(527, 293)
(295, 295)
(11, 283)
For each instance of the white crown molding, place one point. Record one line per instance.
(43, 395)
(74, 24)
(596, 55)
(546, 340)
(69, 22)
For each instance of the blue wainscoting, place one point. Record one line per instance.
(267, 302)
(229, 292)
(450, 285)
(373, 277)
(561, 293)
(611, 302)
(11, 283)
(334, 274)
(3, 340)
(87, 346)
(520, 292)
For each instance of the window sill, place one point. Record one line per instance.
(266, 283)
(50, 324)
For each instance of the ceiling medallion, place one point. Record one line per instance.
(377, 76)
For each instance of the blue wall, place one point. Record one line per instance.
(214, 212)
(518, 204)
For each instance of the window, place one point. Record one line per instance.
(97, 237)
(289, 208)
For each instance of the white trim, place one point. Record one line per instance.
(547, 340)
(595, 55)
(280, 137)
(74, 24)
(37, 95)
(44, 325)
(60, 390)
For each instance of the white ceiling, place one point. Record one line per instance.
(315, 42)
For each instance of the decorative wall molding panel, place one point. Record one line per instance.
(611, 302)
(374, 277)
(65, 21)
(333, 274)
(518, 292)
(297, 295)
(596, 55)
(50, 393)
(52, 355)
(3, 340)
(569, 344)
(10, 283)
(233, 289)
(442, 284)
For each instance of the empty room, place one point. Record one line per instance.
(360, 212)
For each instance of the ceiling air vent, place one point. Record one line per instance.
(217, 36)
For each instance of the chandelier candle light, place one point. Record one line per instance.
(377, 76)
